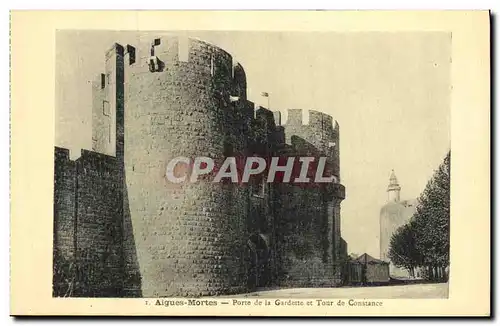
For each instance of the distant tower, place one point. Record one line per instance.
(393, 214)
(393, 189)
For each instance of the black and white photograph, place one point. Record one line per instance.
(250, 163)
(131, 106)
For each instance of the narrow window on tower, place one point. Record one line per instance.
(103, 81)
(156, 42)
(131, 54)
(212, 66)
(106, 109)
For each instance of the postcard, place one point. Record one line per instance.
(246, 163)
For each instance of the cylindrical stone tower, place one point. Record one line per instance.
(180, 100)
(310, 251)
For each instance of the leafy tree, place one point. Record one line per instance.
(425, 241)
(432, 222)
(403, 251)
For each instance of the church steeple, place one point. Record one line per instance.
(393, 189)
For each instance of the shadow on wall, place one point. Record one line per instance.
(99, 256)
(94, 251)
(131, 274)
(306, 244)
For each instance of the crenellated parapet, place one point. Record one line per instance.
(161, 98)
(194, 59)
(319, 136)
(320, 130)
(187, 70)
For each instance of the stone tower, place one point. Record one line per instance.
(132, 232)
(317, 208)
(174, 94)
(394, 213)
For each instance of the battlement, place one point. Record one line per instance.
(166, 52)
(158, 53)
(313, 118)
(314, 128)
(61, 153)
(266, 116)
(177, 96)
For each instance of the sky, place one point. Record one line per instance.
(389, 91)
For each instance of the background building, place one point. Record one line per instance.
(394, 213)
(366, 270)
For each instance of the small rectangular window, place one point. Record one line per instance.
(131, 54)
(212, 65)
(103, 81)
(106, 110)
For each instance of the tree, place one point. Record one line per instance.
(425, 240)
(403, 251)
(432, 222)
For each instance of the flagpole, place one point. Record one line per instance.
(266, 94)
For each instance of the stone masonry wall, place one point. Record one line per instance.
(64, 202)
(87, 225)
(307, 218)
(190, 237)
(135, 233)
(64, 219)
(98, 225)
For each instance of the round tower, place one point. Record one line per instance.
(190, 238)
(393, 214)
(312, 250)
